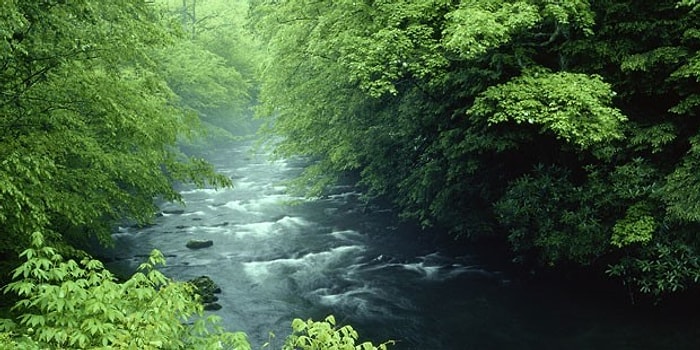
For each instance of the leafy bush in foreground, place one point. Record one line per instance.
(68, 304)
(319, 335)
(80, 305)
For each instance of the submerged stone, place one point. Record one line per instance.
(199, 243)
(205, 283)
(212, 306)
(209, 298)
(206, 288)
(174, 211)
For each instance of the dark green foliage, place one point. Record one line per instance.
(568, 128)
(661, 268)
(547, 212)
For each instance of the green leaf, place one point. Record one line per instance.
(573, 107)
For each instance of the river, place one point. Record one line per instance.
(277, 257)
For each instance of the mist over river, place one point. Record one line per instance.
(332, 255)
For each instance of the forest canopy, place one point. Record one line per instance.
(566, 129)
(89, 122)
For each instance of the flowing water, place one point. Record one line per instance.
(333, 255)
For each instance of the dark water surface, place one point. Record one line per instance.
(276, 261)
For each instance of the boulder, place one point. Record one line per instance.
(209, 298)
(206, 288)
(205, 285)
(212, 306)
(173, 211)
(199, 243)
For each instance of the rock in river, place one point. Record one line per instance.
(173, 211)
(212, 306)
(206, 288)
(199, 243)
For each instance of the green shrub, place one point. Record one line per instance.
(322, 335)
(69, 304)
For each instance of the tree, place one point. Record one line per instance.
(88, 126)
(92, 106)
(211, 68)
(65, 303)
(565, 129)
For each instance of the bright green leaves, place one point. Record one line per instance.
(88, 123)
(68, 304)
(19, 212)
(576, 13)
(689, 3)
(574, 107)
(371, 46)
(479, 26)
(400, 41)
(324, 335)
(13, 23)
(636, 227)
(64, 304)
(52, 291)
(476, 27)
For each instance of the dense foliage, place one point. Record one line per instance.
(88, 125)
(88, 139)
(69, 304)
(567, 128)
(95, 97)
(213, 70)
